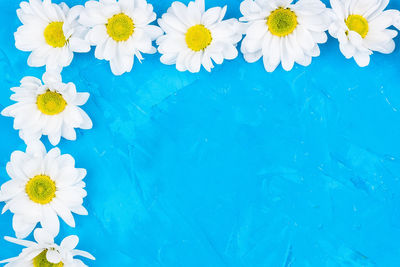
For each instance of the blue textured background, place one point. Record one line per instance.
(237, 167)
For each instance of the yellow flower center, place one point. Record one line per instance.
(282, 22)
(198, 37)
(54, 34)
(51, 103)
(41, 189)
(120, 27)
(41, 261)
(358, 24)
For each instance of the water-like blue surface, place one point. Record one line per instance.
(237, 167)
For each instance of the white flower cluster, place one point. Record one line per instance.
(279, 31)
(43, 187)
(46, 185)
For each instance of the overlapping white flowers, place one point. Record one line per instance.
(361, 26)
(51, 32)
(279, 31)
(50, 109)
(194, 37)
(120, 31)
(44, 252)
(43, 186)
(283, 32)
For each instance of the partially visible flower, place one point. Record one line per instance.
(362, 27)
(43, 186)
(396, 22)
(194, 36)
(120, 31)
(45, 253)
(280, 31)
(51, 32)
(50, 109)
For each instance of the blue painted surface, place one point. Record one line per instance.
(237, 167)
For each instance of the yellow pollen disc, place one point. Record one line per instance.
(51, 103)
(120, 27)
(41, 261)
(358, 24)
(54, 34)
(198, 37)
(282, 22)
(41, 189)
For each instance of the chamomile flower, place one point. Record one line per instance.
(195, 37)
(120, 31)
(283, 32)
(51, 32)
(45, 253)
(43, 186)
(362, 27)
(50, 109)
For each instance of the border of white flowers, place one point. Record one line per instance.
(153, 30)
(81, 45)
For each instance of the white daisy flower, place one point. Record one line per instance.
(42, 186)
(51, 32)
(361, 27)
(283, 32)
(50, 109)
(45, 253)
(194, 36)
(120, 31)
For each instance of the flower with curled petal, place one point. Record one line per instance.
(45, 253)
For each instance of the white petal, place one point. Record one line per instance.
(337, 7)
(252, 57)
(70, 242)
(362, 59)
(211, 16)
(20, 242)
(68, 132)
(86, 121)
(78, 45)
(22, 227)
(304, 38)
(98, 34)
(80, 210)
(53, 256)
(81, 253)
(63, 212)
(43, 237)
(50, 221)
(286, 54)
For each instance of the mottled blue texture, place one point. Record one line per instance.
(237, 167)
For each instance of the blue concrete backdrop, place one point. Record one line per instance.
(237, 167)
